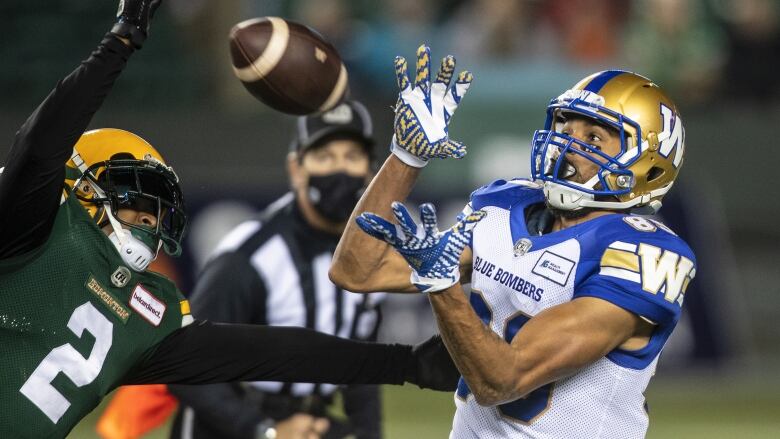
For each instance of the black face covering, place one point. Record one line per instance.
(335, 195)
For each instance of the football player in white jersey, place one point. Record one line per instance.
(573, 295)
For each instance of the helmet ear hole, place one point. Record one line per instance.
(85, 187)
(655, 173)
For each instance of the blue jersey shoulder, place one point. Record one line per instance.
(642, 264)
(507, 194)
(633, 230)
(639, 265)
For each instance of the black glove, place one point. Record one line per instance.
(435, 369)
(133, 20)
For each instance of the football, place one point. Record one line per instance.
(287, 65)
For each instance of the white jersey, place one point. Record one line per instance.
(635, 263)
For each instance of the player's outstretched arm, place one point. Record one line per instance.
(422, 115)
(31, 184)
(361, 263)
(554, 344)
(435, 257)
(205, 353)
(222, 405)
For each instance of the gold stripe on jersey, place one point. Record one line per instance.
(185, 307)
(620, 259)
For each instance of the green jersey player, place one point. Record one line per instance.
(79, 313)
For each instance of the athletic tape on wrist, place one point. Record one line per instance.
(432, 285)
(406, 156)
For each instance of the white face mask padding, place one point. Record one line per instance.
(133, 251)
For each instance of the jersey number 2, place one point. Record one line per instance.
(69, 361)
(523, 410)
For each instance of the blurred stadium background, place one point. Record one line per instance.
(718, 378)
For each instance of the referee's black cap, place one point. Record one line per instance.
(349, 119)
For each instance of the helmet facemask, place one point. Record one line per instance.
(141, 185)
(550, 147)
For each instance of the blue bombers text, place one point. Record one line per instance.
(506, 278)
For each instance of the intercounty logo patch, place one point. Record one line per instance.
(148, 306)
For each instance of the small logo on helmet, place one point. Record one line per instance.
(672, 136)
(582, 95)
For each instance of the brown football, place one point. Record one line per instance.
(287, 65)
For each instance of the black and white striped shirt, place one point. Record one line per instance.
(273, 270)
(284, 265)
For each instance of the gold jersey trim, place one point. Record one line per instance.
(620, 259)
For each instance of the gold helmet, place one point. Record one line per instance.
(652, 144)
(113, 169)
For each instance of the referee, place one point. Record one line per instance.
(273, 270)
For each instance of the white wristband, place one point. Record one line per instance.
(406, 156)
(432, 285)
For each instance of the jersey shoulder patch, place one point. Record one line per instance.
(505, 194)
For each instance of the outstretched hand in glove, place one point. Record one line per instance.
(434, 256)
(423, 111)
(133, 19)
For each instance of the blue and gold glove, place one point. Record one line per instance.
(423, 112)
(433, 255)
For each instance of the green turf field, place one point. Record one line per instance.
(689, 408)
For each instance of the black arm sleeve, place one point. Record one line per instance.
(205, 352)
(435, 368)
(31, 184)
(222, 406)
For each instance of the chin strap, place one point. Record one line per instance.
(134, 252)
(566, 198)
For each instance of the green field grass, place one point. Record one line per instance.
(689, 408)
